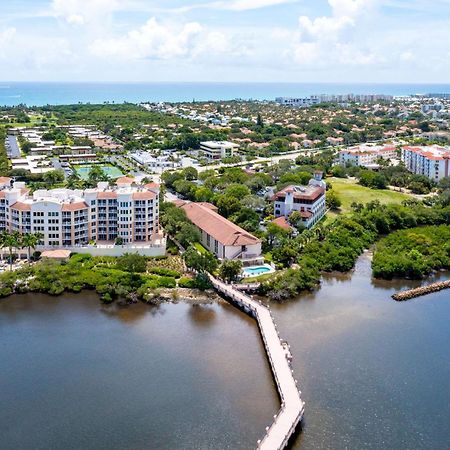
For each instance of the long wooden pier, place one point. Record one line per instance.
(292, 407)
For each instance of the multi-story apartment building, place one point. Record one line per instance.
(68, 218)
(366, 155)
(432, 161)
(214, 150)
(221, 237)
(309, 201)
(334, 98)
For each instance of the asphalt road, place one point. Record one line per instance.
(13, 147)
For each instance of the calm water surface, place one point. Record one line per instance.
(38, 94)
(77, 375)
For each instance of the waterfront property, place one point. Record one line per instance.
(75, 218)
(309, 201)
(222, 237)
(215, 150)
(432, 161)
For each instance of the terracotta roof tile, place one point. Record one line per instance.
(282, 223)
(308, 193)
(106, 195)
(73, 206)
(124, 180)
(21, 206)
(221, 229)
(143, 195)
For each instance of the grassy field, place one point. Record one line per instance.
(349, 191)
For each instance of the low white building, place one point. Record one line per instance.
(152, 162)
(215, 150)
(309, 201)
(432, 161)
(365, 155)
(220, 236)
(33, 164)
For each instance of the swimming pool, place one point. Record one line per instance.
(254, 271)
(112, 171)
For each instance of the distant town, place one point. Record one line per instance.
(252, 184)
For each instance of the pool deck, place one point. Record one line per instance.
(254, 271)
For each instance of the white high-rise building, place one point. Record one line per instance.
(364, 155)
(432, 161)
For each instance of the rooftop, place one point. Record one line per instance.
(434, 152)
(309, 192)
(204, 216)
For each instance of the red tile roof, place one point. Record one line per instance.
(282, 223)
(106, 195)
(5, 180)
(20, 206)
(151, 185)
(73, 206)
(143, 195)
(222, 230)
(124, 180)
(308, 193)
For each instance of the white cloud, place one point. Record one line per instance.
(151, 41)
(407, 56)
(329, 40)
(344, 15)
(245, 5)
(233, 5)
(81, 12)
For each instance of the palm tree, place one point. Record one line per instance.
(11, 241)
(74, 181)
(30, 241)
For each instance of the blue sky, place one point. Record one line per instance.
(230, 40)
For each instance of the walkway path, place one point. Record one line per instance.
(292, 407)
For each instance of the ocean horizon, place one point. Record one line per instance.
(60, 93)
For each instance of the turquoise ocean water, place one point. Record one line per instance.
(38, 94)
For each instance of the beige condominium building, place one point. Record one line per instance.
(68, 218)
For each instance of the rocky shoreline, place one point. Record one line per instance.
(423, 290)
(192, 296)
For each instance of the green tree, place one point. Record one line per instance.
(132, 262)
(188, 234)
(74, 181)
(333, 201)
(11, 241)
(96, 175)
(53, 177)
(230, 270)
(259, 121)
(190, 173)
(29, 241)
(227, 205)
(206, 262)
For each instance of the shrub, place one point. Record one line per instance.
(186, 282)
(165, 272)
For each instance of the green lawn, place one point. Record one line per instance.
(202, 250)
(349, 191)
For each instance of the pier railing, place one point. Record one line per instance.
(292, 407)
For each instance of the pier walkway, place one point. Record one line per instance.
(292, 407)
